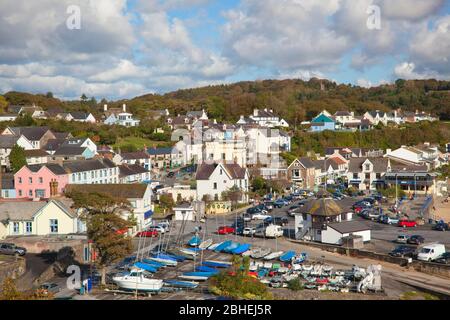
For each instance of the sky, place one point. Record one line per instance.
(118, 49)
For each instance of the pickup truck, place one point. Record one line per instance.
(12, 249)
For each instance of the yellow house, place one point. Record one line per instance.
(36, 218)
(218, 207)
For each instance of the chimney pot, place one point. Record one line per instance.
(105, 107)
(124, 106)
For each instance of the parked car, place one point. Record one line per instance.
(441, 227)
(171, 174)
(280, 221)
(403, 251)
(47, 288)
(269, 205)
(12, 249)
(147, 233)
(164, 225)
(388, 220)
(226, 230)
(260, 216)
(431, 252)
(160, 229)
(362, 203)
(247, 217)
(407, 224)
(402, 238)
(445, 258)
(262, 207)
(416, 239)
(249, 231)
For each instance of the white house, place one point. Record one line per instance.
(123, 118)
(214, 179)
(8, 117)
(94, 171)
(267, 118)
(79, 116)
(141, 158)
(82, 143)
(367, 173)
(38, 218)
(184, 212)
(335, 232)
(133, 173)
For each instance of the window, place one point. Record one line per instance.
(30, 193)
(84, 175)
(223, 156)
(41, 180)
(92, 174)
(221, 171)
(355, 176)
(367, 167)
(367, 176)
(53, 225)
(30, 180)
(20, 180)
(6, 193)
(29, 227)
(378, 175)
(15, 227)
(20, 193)
(215, 186)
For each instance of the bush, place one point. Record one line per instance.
(295, 285)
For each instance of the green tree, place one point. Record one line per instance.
(166, 201)
(17, 158)
(83, 98)
(24, 120)
(100, 212)
(49, 95)
(3, 104)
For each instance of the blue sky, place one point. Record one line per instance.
(132, 47)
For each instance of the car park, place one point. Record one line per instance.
(388, 220)
(226, 230)
(12, 249)
(247, 217)
(269, 205)
(279, 203)
(170, 174)
(280, 221)
(160, 229)
(431, 252)
(403, 252)
(444, 258)
(416, 239)
(402, 238)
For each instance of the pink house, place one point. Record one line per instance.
(40, 181)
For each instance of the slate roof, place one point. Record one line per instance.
(53, 144)
(31, 133)
(7, 181)
(305, 162)
(205, 170)
(79, 115)
(160, 151)
(25, 210)
(69, 151)
(131, 169)
(348, 226)
(343, 113)
(123, 191)
(35, 153)
(53, 167)
(380, 165)
(88, 165)
(135, 155)
(7, 142)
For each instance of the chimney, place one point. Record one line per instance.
(388, 151)
(124, 107)
(105, 107)
(352, 114)
(255, 112)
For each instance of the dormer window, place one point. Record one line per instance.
(367, 166)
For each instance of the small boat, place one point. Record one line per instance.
(169, 257)
(265, 281)
(283, 270)
(287, 256)
(194, 241)
(154, 264)
(168, 262)
(193, 278)
(212, 264)
(297, 267)
(300, 258)
(205, 269)
(189, 252)
(339, 273)
(289, 277)
(231, 247)
(258, 253)
(310, 286)
(136, 279)
(205, 244)
(201, 273)
(181, 284)
(327, 268)
(229, 264)
(146, 267)
(241, 249)
(307, 267)
(222, 246)
(253, 268)
(177, 257)
(268, 265)
(276, 266)
(214, 246)
(247, 253)
(273, 255)
(322, 280)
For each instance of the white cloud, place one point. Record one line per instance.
(410, 9)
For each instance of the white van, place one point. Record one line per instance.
(274, 231)
(431, 252)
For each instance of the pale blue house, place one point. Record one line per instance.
(323, 122)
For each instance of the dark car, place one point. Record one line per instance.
(416, 239)
(12, 249)
(279, 203)
(280, 221)
(403, 251)
(254, 210)
(441, 227)
(445, 258)
(171, 174)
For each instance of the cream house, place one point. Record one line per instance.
(36, 218)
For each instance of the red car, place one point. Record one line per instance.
(358, 209)
(225, 230)
(407, 224)
(147, 233)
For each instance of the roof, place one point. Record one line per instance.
(321, 119)
(79, 115)
(53, 167)
(305, 162)
(88, 165)
(160, 151)
(131, 169)
(380, 165)
(7, 181)
(348, 226)
(135, 155)
(35, 153)
(25, 210)
(122, 191)
(7, 142)
(184, 205)
(326, 207)
(53, 144)
(205, 170)
(31, 133)
(343, 113)
(70, 151)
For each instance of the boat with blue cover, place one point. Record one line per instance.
(231, 247)
(214, 264)
(262, 273)
(201, 273)
(165, 256)
(287, 256)
(222, 246)
(241, 249)
(146, 267)
(181, 284)
(178, 258)
(169, 262)
(195, 241)
(154, 263)
(205, 269)
(300, 258)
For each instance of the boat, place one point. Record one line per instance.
(181, 284)
(213, 264)
(193, 278)
(205, 244)
(300, 258)
(146, 267)
(137, 280)
(154, 263)
(241, 249)
(259, 253)
(179, 258)
(201, 273)
(232, 246)
(194, 241)
(253, 268)
(247, 253)
(168, 262)
(268, 265)
(222, 246)
(214, 246)
(327, 268)
(287, 256)
(276, 266)
(205, 269)
(262, 273)
(307, 267)
(229, 264)
(283, 270)
(188, 252)
(289, 277)
(165, 256)
(273, 255)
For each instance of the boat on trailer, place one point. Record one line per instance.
(146, 267)
(193, 278)
(194, 241)
(205, 244)
(213, 264)
(138, 280)
(259, 253)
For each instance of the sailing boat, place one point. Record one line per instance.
(138, 280)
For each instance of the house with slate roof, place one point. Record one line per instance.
(302, 173)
